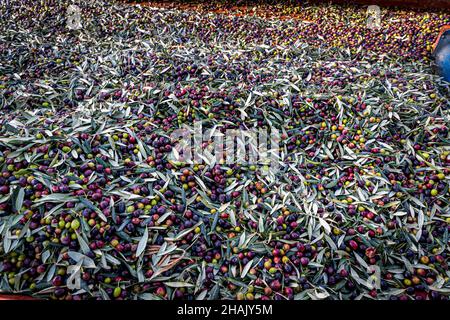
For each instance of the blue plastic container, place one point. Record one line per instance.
(442, 55)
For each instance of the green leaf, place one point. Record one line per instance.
(178, 284)
(19, 199)
(142, 243)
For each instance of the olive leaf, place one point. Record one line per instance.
(142, 243)
(19, 199)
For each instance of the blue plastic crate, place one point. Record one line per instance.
(442, 55)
